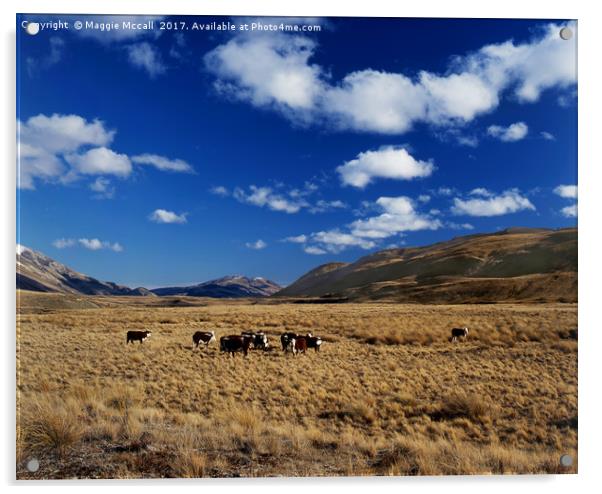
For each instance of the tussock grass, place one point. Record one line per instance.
(410, 403)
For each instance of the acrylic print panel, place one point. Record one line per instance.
(295, 246)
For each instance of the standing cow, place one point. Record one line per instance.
(314, 342)
(258, 339)
(235, 343)
(458, 334)
(140, 336)
(285, 340)
(204, 337)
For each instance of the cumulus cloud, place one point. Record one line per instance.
(298, 239)
(267, 70)
(162, 163)
(397, 215)
(64, 148)
(547, 136)
(88, 243)
(569, 211)
(512, 133)
(276, 71)
(509, 201)
(164, 216)
(566, 191)
(257, 245)
(145, 56)
(100, 161)
(388, 162)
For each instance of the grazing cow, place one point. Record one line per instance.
(204, 337)
(458, 333)
(285, 339)
(137, 336)
(235, 343)
(314, 342)
(258, 340)
(300, 344)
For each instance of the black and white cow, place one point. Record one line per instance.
(258, 339)
(458, 333)
(140, 336)
(204, 337)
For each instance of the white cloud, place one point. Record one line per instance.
(313, 250)
(266, 196)
(510, 201)
(62, 133)
(275, 71)
(219, 190)
(566, 191)
(100, 161)
(459, 226)
(547, 136)
(257, 245)
(88, 243)
(336, 241)
(162, 163)
(267, 70)
(102, 187)
(298, 239)
(398, 215)
(512, 133)
(145, 56)
(569, 211)
(62, 243)
(481, 191)
(388, 162)
(164, 216)
(424, 198)
(62, 148)
(322, 206)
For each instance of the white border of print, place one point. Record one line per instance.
(590, 160)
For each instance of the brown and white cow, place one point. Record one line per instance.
(258, 339)
(235, 343)
(140, 336)
(300, 344)
(458, 333)
(204, 337)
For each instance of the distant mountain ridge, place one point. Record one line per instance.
(38, 272)
(227, 287)
(517, 264)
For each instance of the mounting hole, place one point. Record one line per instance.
(33, 465)
(566, 460)
(566, 33)
(32, 28)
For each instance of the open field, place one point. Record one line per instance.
(387, 395)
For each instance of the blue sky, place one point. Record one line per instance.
(162, 157)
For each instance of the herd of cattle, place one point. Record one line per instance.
(291, 342)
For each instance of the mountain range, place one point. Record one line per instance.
(517, 264)
(513, 265)
(40, 273)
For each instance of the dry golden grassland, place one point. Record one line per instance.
(387, 395)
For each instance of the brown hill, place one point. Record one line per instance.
(518, 264)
